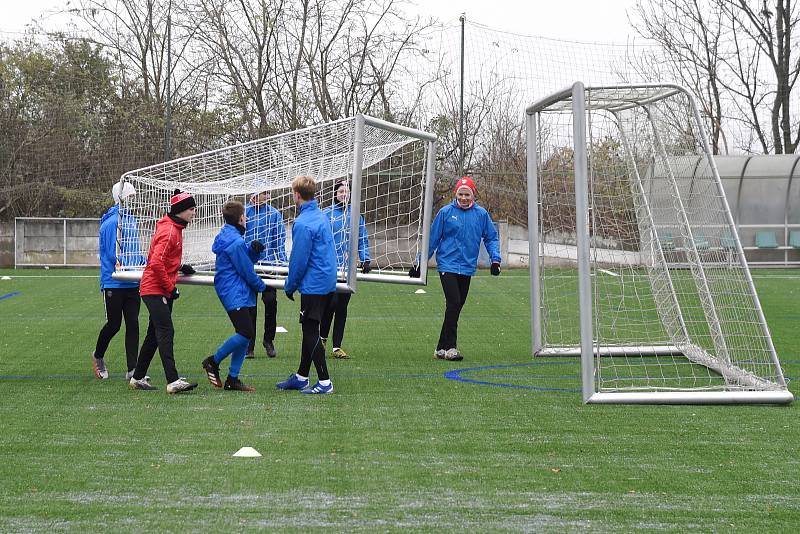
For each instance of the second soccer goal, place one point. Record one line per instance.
(636, 264)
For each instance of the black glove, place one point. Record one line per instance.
(257, 246)
(290, 295)
(175, 294)
(413, 272)
(187, 269)
(495, 269)
(365, 268)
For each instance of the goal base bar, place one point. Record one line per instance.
(207, 280)
(642, 350)
(700, 397)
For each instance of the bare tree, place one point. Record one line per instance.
(737, 58)
(690, 39)
(353, 52)
(241, 38)
(136, 31)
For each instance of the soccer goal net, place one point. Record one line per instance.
(389, 168)
(640, 270)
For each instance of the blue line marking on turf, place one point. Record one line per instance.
(9, 295)
(456, 375)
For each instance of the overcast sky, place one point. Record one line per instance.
(582, 20)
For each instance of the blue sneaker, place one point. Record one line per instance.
(292, 383)
(319, 389)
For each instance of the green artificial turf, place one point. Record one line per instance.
(497, 442)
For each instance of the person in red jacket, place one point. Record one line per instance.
(159, 292)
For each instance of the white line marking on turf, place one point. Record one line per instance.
(609, 273)
(280, 329)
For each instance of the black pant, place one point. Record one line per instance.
(456, 288)
(312, 309)
(243, 321)
(160, 334)
(270, 300)
(337, 314)
(119, 302)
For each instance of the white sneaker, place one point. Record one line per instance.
(453, 355)
(143, 384)
(99, 365)
(179, 386)
(439, 353)
(129, 375)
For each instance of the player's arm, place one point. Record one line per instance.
(158, 249)
(298, 262)
(363, 241)
(242, 262)
(130, 247)
(491, 239)
(437, 229)
(278, 245)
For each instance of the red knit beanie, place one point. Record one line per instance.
(465, 181)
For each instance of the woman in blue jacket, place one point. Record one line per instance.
(121, 299)
(339, 216)
(236, 283)
(456, 235)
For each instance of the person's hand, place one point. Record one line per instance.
(257, 246)
(175, 295)
(290, 295)
(414, 272)
(495, 269)
(365, 267)
(187, 269)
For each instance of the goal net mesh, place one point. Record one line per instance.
(672, 301)
(392, 190)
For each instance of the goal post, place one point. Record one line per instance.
(635, 261)
(389, 168)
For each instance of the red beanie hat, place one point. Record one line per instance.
(465, 181)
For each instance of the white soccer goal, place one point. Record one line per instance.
(391, 169)
(640, 270)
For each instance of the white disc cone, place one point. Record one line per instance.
(420, 291)
(247, 452)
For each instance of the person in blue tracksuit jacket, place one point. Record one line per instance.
(312, 271)
(456, 235)
(236, 283)
(339, 216)
(265, 224)
(121, 299)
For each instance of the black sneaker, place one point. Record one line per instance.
(232, 383)
(212, 371)
(270, 349)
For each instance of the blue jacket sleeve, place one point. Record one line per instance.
(278, 237)
(107, 244)
(298, 262)
(130, 248)
(243, 264)
(363, 241)
(436, 233)
(490, 239)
